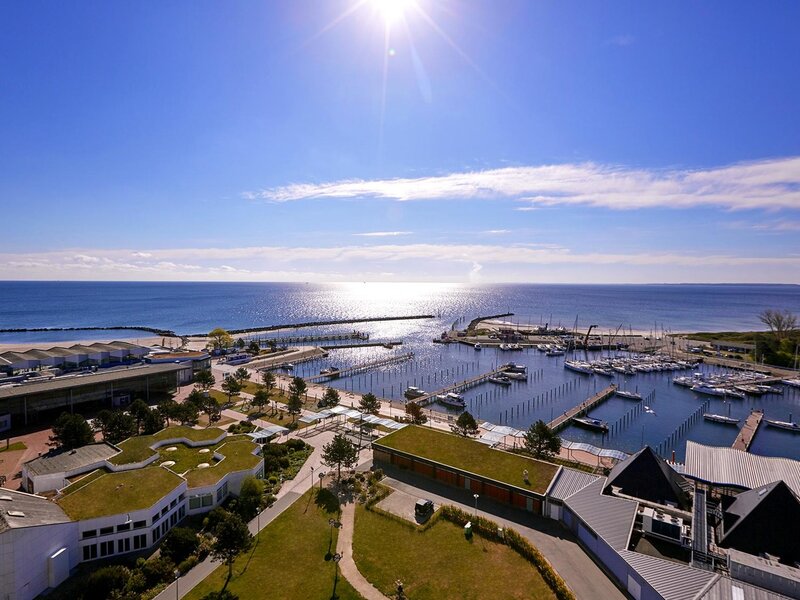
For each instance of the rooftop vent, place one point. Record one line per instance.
(6, 498)
(15, 513)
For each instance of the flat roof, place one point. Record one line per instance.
(730, 467)
(472, 456)
(27, 511)
(104, 376)
(115, 493)
(239, 455)
(137, 448)
(68, 460)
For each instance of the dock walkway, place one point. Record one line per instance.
(460, 386)
(561, 421)
(748, 431)
(375, 364)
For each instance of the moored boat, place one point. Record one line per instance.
(787, 425)
(578, 366)
(720, 419)
(591, 423)
(708, 390)
(628, 394)
(414, 392)
(500, 380)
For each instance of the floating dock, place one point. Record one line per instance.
(748, 431)
(460, 386)
(562, 421)
(375, 364)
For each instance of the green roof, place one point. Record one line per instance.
(472, 456)
(115, 493)
(137, 449)
(238, 457)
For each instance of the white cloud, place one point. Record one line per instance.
(383, 233)
(773, 226)
(141, 254)
(764, 184)
(496, 231)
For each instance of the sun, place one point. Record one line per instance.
(392, 11)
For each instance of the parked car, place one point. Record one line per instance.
(423, 509)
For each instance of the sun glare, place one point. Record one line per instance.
(392, 10)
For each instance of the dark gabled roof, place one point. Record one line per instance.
(64, 461)
(647, 476)
(765, 519)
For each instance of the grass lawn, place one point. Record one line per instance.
(137, 449)
(114, 493)
(472, 456)
(440, 562)
(238, 455)
(13, 447)
(289, 560)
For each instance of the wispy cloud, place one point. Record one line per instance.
(383, 233)
(496, 231)
(771, 226)
(763, 184)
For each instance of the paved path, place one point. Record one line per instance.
(558, 545)
(344, 546)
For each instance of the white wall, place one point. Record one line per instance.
(24, 555)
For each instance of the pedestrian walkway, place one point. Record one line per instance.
(344, 546)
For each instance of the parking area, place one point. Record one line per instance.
(402, 504)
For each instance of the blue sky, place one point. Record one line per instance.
(477, 141)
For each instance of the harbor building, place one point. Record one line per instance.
(101, 389)
(105, 500)
(75, 357)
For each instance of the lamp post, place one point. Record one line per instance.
(177, 582)
(321, 477)
(476, 504)
(312, 477)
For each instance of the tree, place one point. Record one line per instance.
(220, 339)
(231, 387)
(260, 398)
(205, 379)
(250, 495)
(212, 409)
(780, 323)
(168, 409)
(138, 410)
(339, 452)
(253, 348)
(541, 441)
(231, 538)
(197, 398)
(369, 404)
(465, 425)
(268, 378)
(71, 431)
(188, 413)
(414, 412)
(115, 425)
(179, 544)
(240, 343)
(220, 595)
(330, 398)
(241, 375)
(294, 403)
(153, 421)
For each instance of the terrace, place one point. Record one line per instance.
(471, 456)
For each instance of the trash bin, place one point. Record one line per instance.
(468, 530)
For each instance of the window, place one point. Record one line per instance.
(139, 524)
(140, 541)
(106, 530)
(89, 533)
(222, 492)
(174, 503)
(106, 548)
(164, 510)
(194, 502)
(208, 500)
(124, 545)
(156, 517)
(181, 512)
(173, 518)
(90, 552)
(124, 526)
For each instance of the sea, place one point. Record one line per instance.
(668, 421)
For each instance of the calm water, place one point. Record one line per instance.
(198, 307)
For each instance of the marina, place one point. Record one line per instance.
(748, 431)
(582, 408)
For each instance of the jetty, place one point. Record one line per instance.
(748, 431)
(562, 421)
(374, 364)
(319, 324)
(306, 339)
(460, 386)
(388, 344)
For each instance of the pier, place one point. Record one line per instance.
(562, 421)
(460, 386)
(363, 345)
(375, 364)
(748, 431)
(305, 339)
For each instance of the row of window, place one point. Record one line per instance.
(107, 548)
(90, 533)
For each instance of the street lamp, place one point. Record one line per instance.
(321, 477)
(312, 477)
(177, 580)
(476, 504)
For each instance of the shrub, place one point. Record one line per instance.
(284, 462)
(101, 583)
(295, 444)
(179, 544)
(188, 564)
(158, 570)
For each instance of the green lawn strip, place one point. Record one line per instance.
(439, 562)
(13, 447)
(137, 449)
(187, 457)
(82, 481)
(469, 455)
(114, 493)
(238, 456)
(289, 560)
